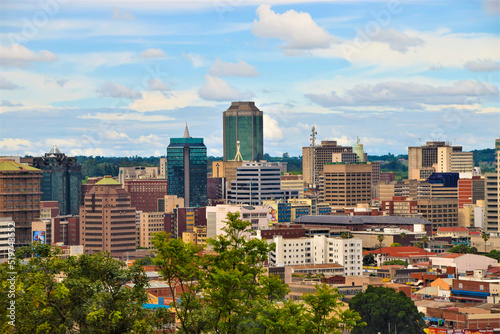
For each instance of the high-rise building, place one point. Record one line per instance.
(314, 158)
(149, 224)
(144, 194)
(187, 169)
(437, 156)
(257, 182)
(347, 185)
(107, 220)
(138, 172)
(243, 122)
(470, 190)
(20, 197)
(492, 195)
(61, 180)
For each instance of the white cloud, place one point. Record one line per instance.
(221, 68)
(407, 94)
(482, 65)
(156, 100)
(152, 141)
(397, 40)
(131, 116)
(272, 131)
(88, 62)
(118, 14)
(15, 144)
(20, 56)
(195, 59)
(7, 103)
(297, 29)
(216, 89)
(152, 53)
(110, 89)
(115, 135)
(88, 152)
(6, 84)
(157, 84)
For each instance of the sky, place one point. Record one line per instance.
(120, 78)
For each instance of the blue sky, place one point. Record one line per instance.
(119, 78)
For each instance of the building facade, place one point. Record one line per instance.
(187, 169)
(107, 219)
(149, 224)
(20, 197)
(492, 195)
(61, 180)
(145, 193)
(243, 122)
(137, 172)
(347, 184)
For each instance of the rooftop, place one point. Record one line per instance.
(401, 252)
(359, 220)
(7, 165)
(107, 180)
(453, 229)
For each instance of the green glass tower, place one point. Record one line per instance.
(187, 169)
(242, 122)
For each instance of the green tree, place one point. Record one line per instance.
(398, 262)
(486, 237)
(369, 260)
(403, 236)
(380, 239)
(380, 307)
(346, 235)
(84, 294)
(225, 290)
(395, 244)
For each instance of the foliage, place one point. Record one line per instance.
(84, 294)
(494, 254)
(463, 249)
(369, 260)
(346, 235)
(145, 261)
(237, 295)
(395, 244)
(398, 262)
(486, 237)
(379, 307)
(294, 164)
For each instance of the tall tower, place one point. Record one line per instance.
(492, 195)
(187, 169)
(243, 122)
(61, 180)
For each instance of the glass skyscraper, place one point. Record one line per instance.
(243, 122)
(187, 169)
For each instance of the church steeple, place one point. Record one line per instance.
(186, 132)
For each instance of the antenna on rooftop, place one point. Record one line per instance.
(313, 154)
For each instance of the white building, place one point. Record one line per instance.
(137, 172)
(6, 232)
(318, 250)
(257, 182)
(217, 215)
(463, 262)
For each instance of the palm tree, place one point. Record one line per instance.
(380, 238)
(486, 237)
(425, 240)
(403, 236)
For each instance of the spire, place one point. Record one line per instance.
(54, 150)
(186, 132)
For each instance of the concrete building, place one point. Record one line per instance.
(107, 219)
(347, 184)
(463, 262)
(318, 250)
(492, 195)
(137, 172)
(323, 154)
(410, 254)
(61, 180)
(198, 236)
(438, 156)
(217, 215)
(441, 212)
(144, 193)
(186, 219)
(149, 224)
(226, 169)
(243, 122)
(169, 202)
(257, 182)
(187, 169)
(56, 228)
(7, 230)
(20, 197)
(163, 168)
(293, 182)
(470, 189)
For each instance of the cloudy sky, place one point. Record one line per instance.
(119, 78)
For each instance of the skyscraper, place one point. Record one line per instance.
(61, 180)
(243, 122)
(492, 195)
(187, 169)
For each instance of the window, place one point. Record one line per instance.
(481, 287)
(460, 286)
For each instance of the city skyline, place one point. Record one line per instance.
(120, 78)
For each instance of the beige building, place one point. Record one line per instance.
(149, 224)
(293, 182)
(226, 169)
(169, 202)
(163, 168)
(492, 195)
(441, 212)
(197, 236)
(347, 185)
(137, 172)
(107, 219)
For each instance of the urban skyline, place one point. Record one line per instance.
(121, 78)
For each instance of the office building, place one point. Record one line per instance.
(61, 180)
(169, 202)
(107, 219)
(319, 249)
(56, 228)
(243, 123)
(470, 190)
(257, 182)
(20, 197)
(347, 185)
(163, 168)
(186, 219)
(293, 182)
(492, 195)
(6, 232)
(441, 212)
(187, 169)
(197, 237)
(149, 224)
(217, 216)
(144, 193)
(137, 172)
(314, 158)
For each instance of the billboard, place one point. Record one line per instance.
(39, 236)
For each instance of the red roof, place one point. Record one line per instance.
(453, 229)
(402, 252)
(452, 255)
(474, 233)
